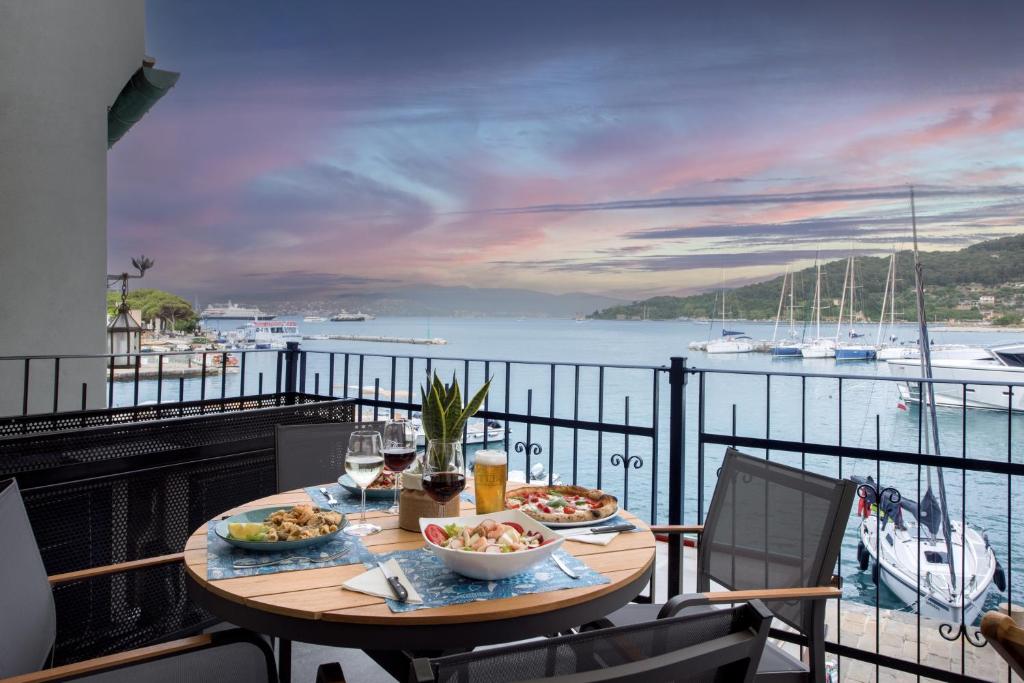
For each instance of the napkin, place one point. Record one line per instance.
(372, 582)
(585, 536)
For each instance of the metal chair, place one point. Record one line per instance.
(314, 453)
(772, 533)
(1006, 638)
(721, 645)
(28, 623)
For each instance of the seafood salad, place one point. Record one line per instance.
(300, 522)
(488, 536)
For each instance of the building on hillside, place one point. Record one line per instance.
(987, 300)
(74, 78)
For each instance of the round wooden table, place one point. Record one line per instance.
(310, 605)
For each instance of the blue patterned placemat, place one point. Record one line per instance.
(439, 586)
(347, 501)
(221, 556)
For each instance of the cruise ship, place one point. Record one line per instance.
(232, 311)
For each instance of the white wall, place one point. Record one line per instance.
(62, 64)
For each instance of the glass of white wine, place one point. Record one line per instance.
(364, 462)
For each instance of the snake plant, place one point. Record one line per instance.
(443, 413)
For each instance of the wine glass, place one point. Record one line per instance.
(444, 472)
(399, 451)
(363, 463)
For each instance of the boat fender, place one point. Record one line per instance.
(862, 556)
(874, 573)
(999, 578)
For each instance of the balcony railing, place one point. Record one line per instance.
(652, 435)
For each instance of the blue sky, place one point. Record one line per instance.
(629, 149)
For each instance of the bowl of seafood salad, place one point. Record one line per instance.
(489, 547)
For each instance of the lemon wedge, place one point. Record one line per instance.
(247, 531)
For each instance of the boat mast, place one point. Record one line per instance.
(885, 300)
(778, 313)
(842, 300)
(892, 297)
(817, 296)
(853, 285)
(926, 373)
(792, 331)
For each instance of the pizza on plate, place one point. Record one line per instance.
(562, 504)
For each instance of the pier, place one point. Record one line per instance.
(434, 341)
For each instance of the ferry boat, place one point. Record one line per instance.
(346, 317)
(270, 335)
(232, 311)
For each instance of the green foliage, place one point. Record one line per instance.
(443, 413)
(1007, 320)
(988, 264)
(157, 304)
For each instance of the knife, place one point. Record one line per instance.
(608, 529)
(395, 584)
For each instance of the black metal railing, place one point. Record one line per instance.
(608, 425)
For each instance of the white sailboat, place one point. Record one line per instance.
(851, 350)
(819, 347)
(731, 341)
(890, 348)
(791, 346)
(942, 567)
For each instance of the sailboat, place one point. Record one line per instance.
(890, 348)
(731, 341)
(943, 567)
(819, 347)
(791, 347)
(851, 350)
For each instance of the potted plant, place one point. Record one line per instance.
(443, 418)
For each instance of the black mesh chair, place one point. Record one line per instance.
(720, 645)
(314, 454)
(28, 625)
(772, 533)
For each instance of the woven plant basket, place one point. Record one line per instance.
(414, 503)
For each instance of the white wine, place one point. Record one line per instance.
(364, 468)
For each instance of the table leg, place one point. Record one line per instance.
(284, 661)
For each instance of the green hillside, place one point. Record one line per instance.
(955, 281)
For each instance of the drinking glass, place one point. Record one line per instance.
(444, 472)
(364, 462)
(399, 451)
(490, 474)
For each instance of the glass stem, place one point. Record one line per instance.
(362, 510)
(396, 489)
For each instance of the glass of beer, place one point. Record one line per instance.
(490, 473)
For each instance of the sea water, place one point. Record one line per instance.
(869, 414)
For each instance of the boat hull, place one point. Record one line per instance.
(730, 346)
(855, 353)
(787, 351)
(959, 373)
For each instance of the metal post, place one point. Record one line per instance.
(676, 470)
(291, 368)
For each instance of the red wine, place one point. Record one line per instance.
(443, 486)
(398, 458)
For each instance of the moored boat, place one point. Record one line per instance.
(1003, 364)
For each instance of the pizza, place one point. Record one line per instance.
(562, 504)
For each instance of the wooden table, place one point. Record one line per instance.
(310, 606)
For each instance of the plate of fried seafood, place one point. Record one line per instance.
(275, 529)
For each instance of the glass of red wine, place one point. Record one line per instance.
(444, 472)
(399, 451)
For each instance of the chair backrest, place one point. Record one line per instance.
(714, 645)
(1006, 637)
(773, 526)
(28, 619)
(314, 454)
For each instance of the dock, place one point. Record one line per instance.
(434, 341)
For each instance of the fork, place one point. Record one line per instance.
(331, 500)
(284, 560)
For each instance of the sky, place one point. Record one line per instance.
(629, 149)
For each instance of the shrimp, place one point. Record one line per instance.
(480, 544)
(495, 532)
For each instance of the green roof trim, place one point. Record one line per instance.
(138, 95)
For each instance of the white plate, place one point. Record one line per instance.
(493, 566)
(573, 525)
